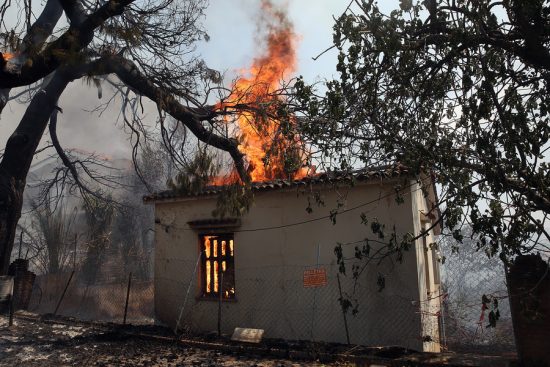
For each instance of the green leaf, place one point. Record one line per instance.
(405, 5)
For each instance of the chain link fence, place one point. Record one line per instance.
(274, 299)
(457, 316)
(277, 301)
(115, 296)
(474, 287)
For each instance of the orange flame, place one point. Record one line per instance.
(7, 56)
(268, 151)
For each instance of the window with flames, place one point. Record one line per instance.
(218, 269)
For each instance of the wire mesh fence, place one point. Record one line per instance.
(470, 311)
(475, 309)
(72, 294)
(455, 316)
(276, 300)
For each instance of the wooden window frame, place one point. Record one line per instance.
(228, 286)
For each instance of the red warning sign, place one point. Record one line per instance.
(315, 278)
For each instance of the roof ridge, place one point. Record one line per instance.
(387, 171)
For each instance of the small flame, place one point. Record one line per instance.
(267, 149)
(7, 56)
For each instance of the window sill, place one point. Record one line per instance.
(215, 299)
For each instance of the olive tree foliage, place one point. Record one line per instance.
(456, 88)
(195, 175)
(135, 48)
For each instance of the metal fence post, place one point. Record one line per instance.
(11, 310)
(127, 298)
(315, 296)
(63, 294)
(74, 253)
(343, 311)
(443, 341)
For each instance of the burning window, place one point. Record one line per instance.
(218, 270)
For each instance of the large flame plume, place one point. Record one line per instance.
(272, 150)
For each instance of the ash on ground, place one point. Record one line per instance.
(38, 343)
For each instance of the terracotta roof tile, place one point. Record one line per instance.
(383, 172)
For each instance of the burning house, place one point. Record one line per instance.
(275, 267)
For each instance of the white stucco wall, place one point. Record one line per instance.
(269, 266)
(428, 266)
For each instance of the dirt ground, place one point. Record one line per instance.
(56, 342)
(33, 343)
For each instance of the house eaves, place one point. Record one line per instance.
(334, 178)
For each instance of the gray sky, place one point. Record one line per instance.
(232, 28)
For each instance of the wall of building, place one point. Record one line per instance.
(269, 267)
(428, 272)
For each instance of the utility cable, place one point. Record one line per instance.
(167, 226)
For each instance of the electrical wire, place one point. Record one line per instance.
(168, 226)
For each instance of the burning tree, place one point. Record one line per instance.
(139, 49)
(265, 122)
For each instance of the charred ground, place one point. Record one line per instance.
(57, 341)
(48, 343)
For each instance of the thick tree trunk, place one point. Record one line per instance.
(17, 159)
(529, 287)
(35, 38)
(11, 201)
